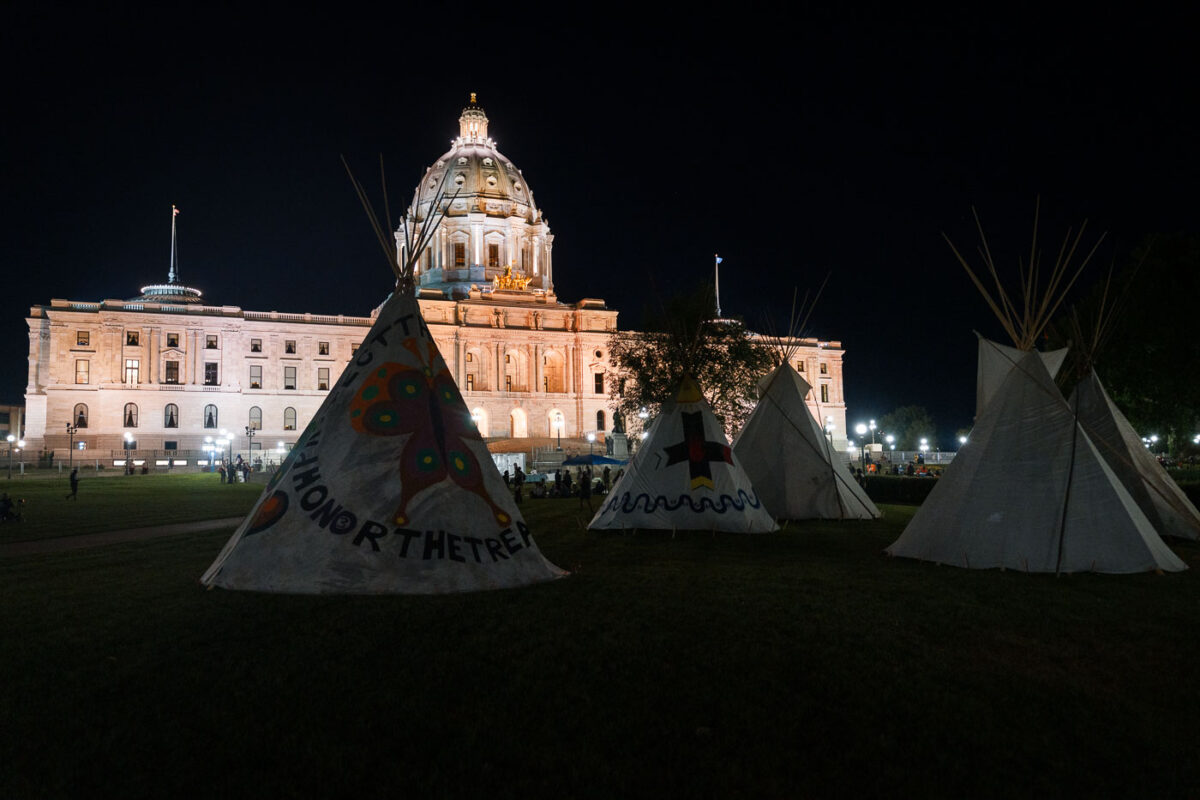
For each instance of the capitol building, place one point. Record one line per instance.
(164, 373)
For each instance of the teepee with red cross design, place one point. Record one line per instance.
(685, 476)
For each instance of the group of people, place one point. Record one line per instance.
(565, 484)
(232, 473)
(8, 509)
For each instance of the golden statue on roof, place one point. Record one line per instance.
(510, 282)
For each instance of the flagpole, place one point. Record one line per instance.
(173, 277)
(717, 282)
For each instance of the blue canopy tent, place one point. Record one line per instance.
(592, 459)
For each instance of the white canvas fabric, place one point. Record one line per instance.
(1159, 497)
(789, 460)
(390, 488)
(685, 476)
(997, 360)
(1030, 492)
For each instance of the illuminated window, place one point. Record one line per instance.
(171, 416)
(289, 377)
(508, 383)
(80, 415)
(210, 373)
(824, 368)
(289, 346)
(323, 378)
(82, 370)
(131, 370)
(470, 357)
(493, 255)
(598, 379)
(322, 348)
(210, 416)
(255, 418)
(799, 366)
(599, 420)
(171, 372)
(470, 383)
(172, 340)
(824, 393)
(131, 338)
(256, 345)
(460, 254)
(289, 419)
(256, 376)
(210, 342)
(83, 338)
(131, 415)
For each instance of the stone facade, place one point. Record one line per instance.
(166, 371)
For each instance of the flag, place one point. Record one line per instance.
(719, 259)
(174, 211)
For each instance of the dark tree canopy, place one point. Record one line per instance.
(685, 339)
(1148, 362)
(909, 424)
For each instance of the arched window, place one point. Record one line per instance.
(171, 416)
(130, 415)
(256, 418)
(289, 419)
(79, 416)
(599, 420)
(210, 416)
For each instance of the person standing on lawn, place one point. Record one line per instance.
(585, 489)
(74, 495)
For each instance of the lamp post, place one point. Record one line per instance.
(861, 430)
(128, 440)
(591, 437)
(250, 445)
(71, 431)
(871, 425)
(279, 449)
(19, 445)
(558, 426)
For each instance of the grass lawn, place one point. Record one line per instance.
(801, 663)
(120, 502)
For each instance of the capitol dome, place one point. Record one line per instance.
(493, 235)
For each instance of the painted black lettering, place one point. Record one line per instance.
(403, 322)
(455, 554)
(313, 497)
(495, 549)
(301, 480)
(435, 542)
(471, 540)
(523, 529)
(511, 543)
(370, 531)
(325, 514)
(406, 536)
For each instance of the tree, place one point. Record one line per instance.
(1148, 359)
(909, 424)
(685, 339)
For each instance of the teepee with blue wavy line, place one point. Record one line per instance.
(685, 476)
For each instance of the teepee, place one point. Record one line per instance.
(1157, 495)
(685, 476)
(790, 461)
(390, 489)
(1030, 490)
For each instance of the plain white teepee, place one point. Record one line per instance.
(790, 461)
(685, 476)
(1030, 491)
(1159, 497)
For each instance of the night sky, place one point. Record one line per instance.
(794, 150)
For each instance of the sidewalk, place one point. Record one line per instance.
(63, 544)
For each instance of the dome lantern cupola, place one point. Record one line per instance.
(473, 125)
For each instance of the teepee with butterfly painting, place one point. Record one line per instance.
(390, 489)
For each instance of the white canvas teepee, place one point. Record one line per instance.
(1030, 491)
(390, 489)
(997, 360)
(1159, 497)
(790, 461)
(685, 476)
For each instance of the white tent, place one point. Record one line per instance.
(790, 461)
(390, 489)
(685, 476)
(1030, 491)
(1159, 497)
(997, 360)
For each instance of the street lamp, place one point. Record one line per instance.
(208, 445)
(71, 431)
(558, 428)
(861, 430)
(250, 445)
(128, 440)
(19, 445)
(591, 437)
(872, 426)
